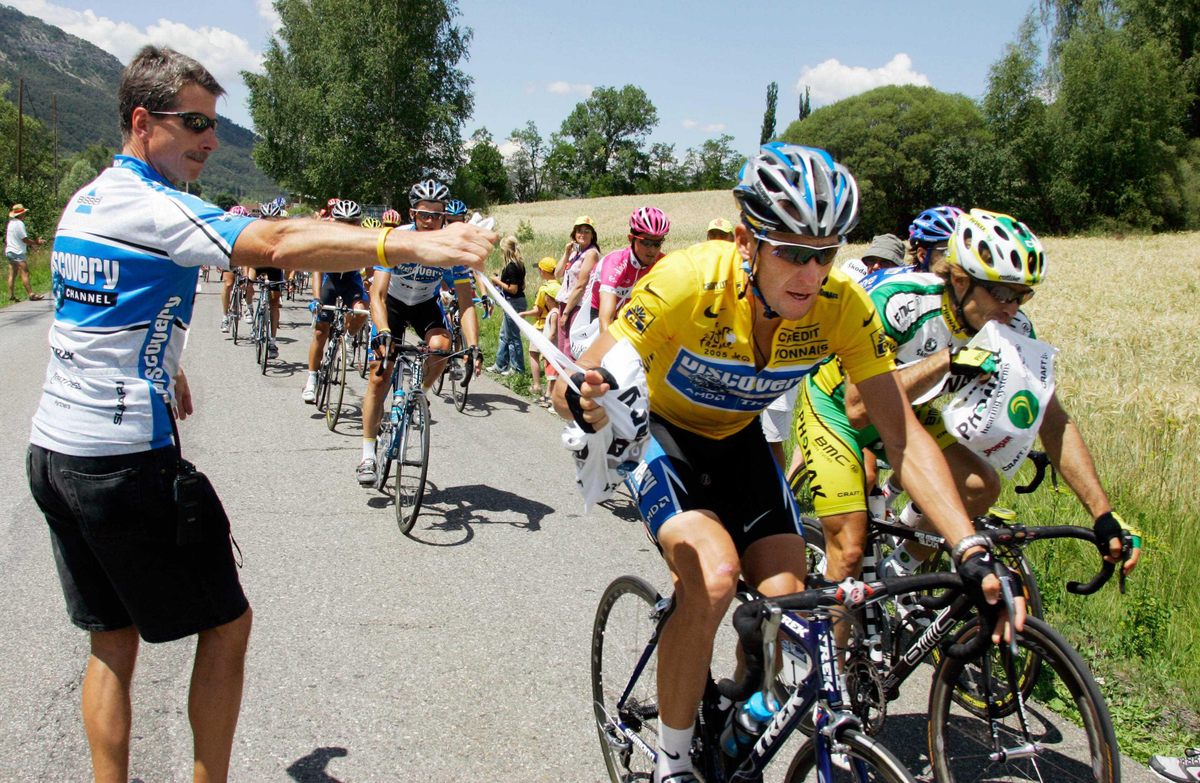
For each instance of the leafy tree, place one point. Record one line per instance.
(224, 200)
(35, 187)
(664, 174)
(361, 99)
(715, 165)
(483, 180)
(607, 132)
(560, 176)
(768, 126)
(80, 174)
(889, 138)
(526, 164)
(806, 103)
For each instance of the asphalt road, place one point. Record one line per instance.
(458, 654)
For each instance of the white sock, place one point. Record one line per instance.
(911, 516)
(368, 448)
(312, 377)
(674, 750)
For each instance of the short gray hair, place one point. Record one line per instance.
(153, 80)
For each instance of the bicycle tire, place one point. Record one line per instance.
(383, 449)
(881, 765)
(459, 388)
(264, 340)
(235, 313)
(362, 354)
(960, 741)
(412, 464)
(625, 622)
(323, 380)
(337, 382)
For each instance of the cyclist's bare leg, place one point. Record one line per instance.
(977, 484)
(845, 538)
(355, 320)
(438, 339)
(226, 291)
(276, 302)
(704, 564)
(377, 388)
(775, 565)
(317, 346)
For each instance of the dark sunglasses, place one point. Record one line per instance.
(654, 244)
(194, 121)
(425, 214)
(800, 255)
(1004, 294)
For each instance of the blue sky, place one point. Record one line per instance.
(704, 64)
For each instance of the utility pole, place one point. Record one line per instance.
(20, 121)
(54, 114)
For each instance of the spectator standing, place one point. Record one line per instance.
(16, 247)
(721, 229)
(510, 355)
(579, 258)
(544, 303)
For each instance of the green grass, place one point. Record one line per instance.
(39, 275)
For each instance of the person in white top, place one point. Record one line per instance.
(16, 244)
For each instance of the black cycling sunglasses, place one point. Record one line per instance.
(1004, 294)
(194, 121)
(800, 255)
(425, 214)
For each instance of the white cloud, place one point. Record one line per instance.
(566, 88)
(831, 81)
(266, 9)
(222, 52)
(711, 127)
(507, 148)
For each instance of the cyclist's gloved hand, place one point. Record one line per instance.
(1117, 540)
(972, 362)
(314, 305)
(977, 567)
(381, 344)
(590, 392)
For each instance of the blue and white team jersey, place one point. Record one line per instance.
(412, 284)
(124, 268)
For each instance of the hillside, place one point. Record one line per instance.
(84, 79)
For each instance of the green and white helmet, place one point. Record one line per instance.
(994, 247)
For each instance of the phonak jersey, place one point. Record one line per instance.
(126, 257)
(690, 320)
(412, 284)
(919, 321)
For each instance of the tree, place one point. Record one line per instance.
(889, 138)
(361, 99)
(483, 180)
(768, 126)
(805, 103)
(80, 174)
(715, 165)
(607, 131)
(664, 174)
(525, 164)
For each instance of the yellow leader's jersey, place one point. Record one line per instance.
(690, 320)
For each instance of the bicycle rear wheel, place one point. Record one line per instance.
(337, 382)
(869, 761)
(263, 320)
(1069, 726)
(235, 315)
(626, 620)
(412, 463)
(324, 372)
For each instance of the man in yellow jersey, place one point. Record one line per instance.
(722, 330)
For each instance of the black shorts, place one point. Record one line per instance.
(422, 317)
(112, 529)
(348, 286)
(736, 478)
(273, 274)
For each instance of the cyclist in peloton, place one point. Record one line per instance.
(985, 270)
(456, 211)
(407, 295)
(326, 290)
(613, 279)
(722, 330)
(228, 277)
(271, 211)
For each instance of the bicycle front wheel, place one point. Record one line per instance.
(337, 382)
(865, 760)
(235, 317)
(264, 337)
(412, 463)
(625, 624)
(458, 388)
(1069, 735)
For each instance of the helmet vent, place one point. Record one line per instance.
(985, 255)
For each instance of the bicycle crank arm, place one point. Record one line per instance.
(1028, 750)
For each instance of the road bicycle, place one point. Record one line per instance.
(331, 373)
(237, 300)
(360, 349)
(403, 437)
(463, 359)
(260, 322)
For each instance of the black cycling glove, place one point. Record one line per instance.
(572, 396)
(1108, 526)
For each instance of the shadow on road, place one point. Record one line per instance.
(463, 508)
(311, 768)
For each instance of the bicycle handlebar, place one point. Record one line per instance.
(1040, 462)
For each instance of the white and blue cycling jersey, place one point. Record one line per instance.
(126, 257)
(412, 284)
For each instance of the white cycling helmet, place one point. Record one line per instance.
(799, 190)
(994, 247)
(345, 209)
(429, 190)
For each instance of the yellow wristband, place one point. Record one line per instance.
(383, 234)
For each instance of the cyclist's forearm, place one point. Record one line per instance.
(608, 310)
(378, 302)
(470, 322)
(915, 379)
(1068, 453)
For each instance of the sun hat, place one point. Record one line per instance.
(720, 224)
(584, 220)
(886, 247)
(547, 264)
(17, 210)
